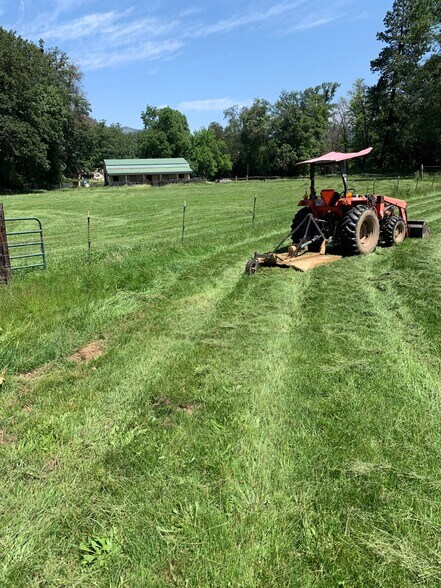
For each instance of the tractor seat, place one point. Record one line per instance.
(329, 197)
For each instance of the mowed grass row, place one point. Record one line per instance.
(275, 430)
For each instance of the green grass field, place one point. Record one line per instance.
(277, 430)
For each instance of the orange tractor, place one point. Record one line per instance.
(346, 222)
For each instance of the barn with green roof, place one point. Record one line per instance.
(119, 172)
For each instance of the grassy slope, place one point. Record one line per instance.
(279, 430)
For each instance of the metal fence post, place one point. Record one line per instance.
(5, 262)
(254, 209)
(89, 242)
(183, 221)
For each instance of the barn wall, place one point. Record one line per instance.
(145, 178)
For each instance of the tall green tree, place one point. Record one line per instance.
(112, 142)
(425, 113)
(71, 154)
(232, 138)
(43, 113)
(361, 116)
(339, 129)
(302, 120)
(256, 133)
(166, 133)
(410, 35)
(269, 138)
(210, 158)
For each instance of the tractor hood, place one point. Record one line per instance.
(336, 157)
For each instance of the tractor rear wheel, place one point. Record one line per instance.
(296, 222)
(393, 231)
(360, 230)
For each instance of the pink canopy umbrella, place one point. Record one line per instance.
(335, 157)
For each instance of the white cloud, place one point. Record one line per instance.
(215, 104)
(107, 39)
(22, 9)
(190, 11)
(314, 21)
(81, 27)
(147, 27)
(66, 5)
(113, 38)
(148, 51)
(227, 25)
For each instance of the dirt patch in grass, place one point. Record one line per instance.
(33, 374)
(167, 405)
(188, 407)
(7, 438)
(51, 465)
(88, 352)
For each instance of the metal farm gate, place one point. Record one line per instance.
(5, 263)
(22, 247)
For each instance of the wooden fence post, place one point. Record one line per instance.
(5, 262)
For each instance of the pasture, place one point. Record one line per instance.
(166, 420)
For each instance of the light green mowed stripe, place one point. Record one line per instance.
(267, 431)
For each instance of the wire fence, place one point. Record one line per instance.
(110, 226)
(425, 173)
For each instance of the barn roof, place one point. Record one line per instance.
(174, 165)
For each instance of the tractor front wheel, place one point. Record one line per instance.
(393, 231)
(360, 230)
(252, 267)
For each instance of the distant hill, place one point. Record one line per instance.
(128, 130)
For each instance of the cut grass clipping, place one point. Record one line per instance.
(168, 421)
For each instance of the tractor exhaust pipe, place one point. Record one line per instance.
(418, 229)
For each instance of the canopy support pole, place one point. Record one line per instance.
(312, 178)
(343, 176)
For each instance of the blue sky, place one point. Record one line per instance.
(202, 57)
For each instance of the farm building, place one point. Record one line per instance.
(145, 171)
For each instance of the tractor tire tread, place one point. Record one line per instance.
(388, 230)
(348, 229)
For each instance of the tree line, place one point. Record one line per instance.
(47, 134)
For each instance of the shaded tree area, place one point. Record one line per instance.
(268, 139)
(166, 133)
(209, 155)
(403, 64)
(262, 139)
(44, 125)
(111, 142)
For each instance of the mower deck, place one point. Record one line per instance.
(303, 262)
(309, 261)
